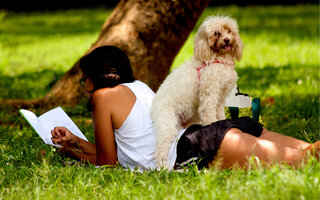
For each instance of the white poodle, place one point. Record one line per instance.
(196, 91)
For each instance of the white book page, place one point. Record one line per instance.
(36, 125)
(57, 117)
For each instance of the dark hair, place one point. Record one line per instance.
(106, 66)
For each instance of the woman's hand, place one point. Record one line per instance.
(62, 136)
(69, 142)
(73, 146)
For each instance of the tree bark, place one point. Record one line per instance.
(150, 32)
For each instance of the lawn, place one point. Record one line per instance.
(280, 65)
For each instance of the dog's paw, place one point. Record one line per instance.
(161, 159)
(221, 115)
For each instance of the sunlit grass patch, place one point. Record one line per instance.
(57, 53)
(50, 40)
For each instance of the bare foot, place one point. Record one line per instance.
(313, 150)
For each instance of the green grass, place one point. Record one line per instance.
(52, 40)
(280, 65)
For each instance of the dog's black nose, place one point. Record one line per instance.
(227, 40)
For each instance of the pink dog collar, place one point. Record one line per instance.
(204, 65)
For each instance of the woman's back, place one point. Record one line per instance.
(135, 137)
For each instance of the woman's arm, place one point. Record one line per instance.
(73, 145)
(86, 151)
(79, 155)
(103, 103)
(106, 108)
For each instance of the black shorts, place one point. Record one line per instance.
(199, 144)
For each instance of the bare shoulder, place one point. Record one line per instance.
(104, 94)
(111, 95)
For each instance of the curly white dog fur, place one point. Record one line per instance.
(196, 91)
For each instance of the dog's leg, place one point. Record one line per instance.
(174, 105)
(229, 85)
(212, 94)
(208, 106)
(166, 131)
(221, 114)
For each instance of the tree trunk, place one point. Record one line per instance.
(151, 32)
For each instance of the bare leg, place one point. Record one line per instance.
(283, 139)
(236, 149)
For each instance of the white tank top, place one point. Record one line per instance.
(135, 138)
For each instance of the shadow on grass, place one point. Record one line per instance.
(33, 85)
(290, 98)
(293, 115)
(29, 85)
(279, 80)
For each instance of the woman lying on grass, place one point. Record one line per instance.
(124, 130)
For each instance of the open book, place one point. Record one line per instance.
(47, 121)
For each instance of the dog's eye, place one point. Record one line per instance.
(229, 31)
(216, 33)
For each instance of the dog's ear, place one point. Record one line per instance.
(201, 45)
(238, 47)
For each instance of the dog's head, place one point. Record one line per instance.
(217, 35)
